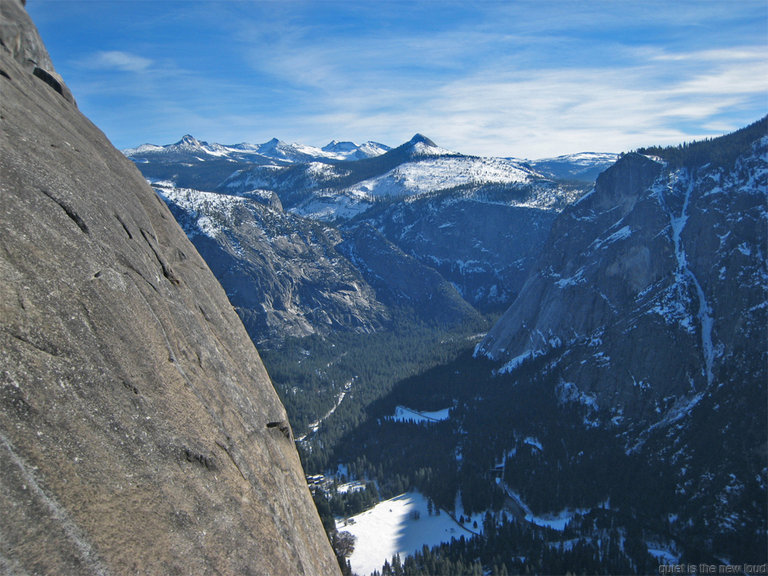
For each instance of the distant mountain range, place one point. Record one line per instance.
(342, 179)
(285, 226)
(272, 151)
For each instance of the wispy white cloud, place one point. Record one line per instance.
(753, 53)
(499, 110)
(524, 78)
(117, 60)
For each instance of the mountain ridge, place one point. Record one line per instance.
(420, 184)
(274, 149)
(586, 159)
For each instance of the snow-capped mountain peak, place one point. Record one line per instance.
(348, 150)
(143, 149)
(420, 145)
(273, 151)
(188, 140)
(371, 148)
(276, 149)
(342, 147)
(421, 139)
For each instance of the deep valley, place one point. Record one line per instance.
(595, 326)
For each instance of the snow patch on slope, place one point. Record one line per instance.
(199, 205)
(430, 174)
(392, 527)
(404, 414)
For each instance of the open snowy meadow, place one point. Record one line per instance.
(401, 525)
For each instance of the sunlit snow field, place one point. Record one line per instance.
(390, 528)
(405, 414)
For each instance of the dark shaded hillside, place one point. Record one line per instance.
(649, 302)
(401, 280)
(660, 274)
(482, 239)
(139, 430)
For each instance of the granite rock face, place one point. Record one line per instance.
(647, 317)
(651, 289)
(137, 422)
(282, 273)
(557, 301)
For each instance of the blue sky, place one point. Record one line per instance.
(519, 78)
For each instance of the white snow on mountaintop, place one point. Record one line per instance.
(351, 151)
(143, 149)
(274, 149)
(302, 153)
(427, 166)
(187, 145)
(429, 149)
(580, 166)
(199, 204)
(420, 145)
(346, 150)
(581, 158)
(430, 174)
(427, 174)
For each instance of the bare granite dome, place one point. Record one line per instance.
(139, 430)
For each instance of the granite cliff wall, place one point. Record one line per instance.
(139, 430)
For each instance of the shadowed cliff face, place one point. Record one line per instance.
(652, 288)
(137, 423)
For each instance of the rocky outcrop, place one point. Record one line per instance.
(557, 302)
(19, 38)
(136, 417)
(281, 272)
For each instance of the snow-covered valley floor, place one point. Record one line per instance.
(392, 527)
(402, 525)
